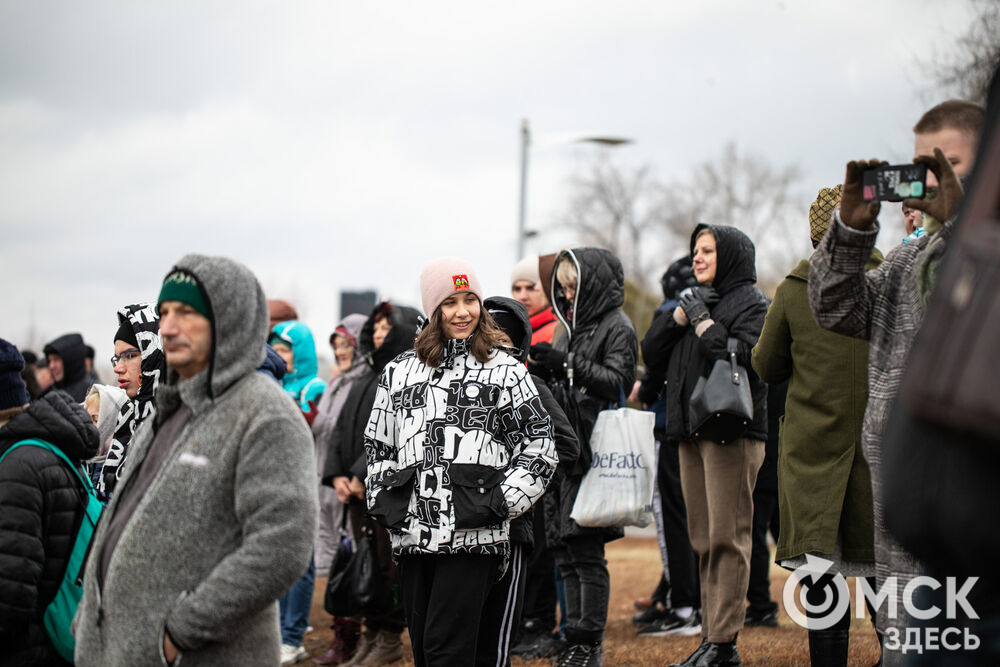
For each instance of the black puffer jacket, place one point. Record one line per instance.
(73, 352)
(684, 357)
(603, 344)
(513, 314)
(345, 446)
(41, 507)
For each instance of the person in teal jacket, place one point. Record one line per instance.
(294, 342)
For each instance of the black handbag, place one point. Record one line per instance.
(721, 405)
(355, 585)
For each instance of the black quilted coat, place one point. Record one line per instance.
(41, 507)
(567, 443)
(683, 357)
(345, 447)
(604, 346)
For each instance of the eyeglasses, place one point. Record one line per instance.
(126, 355)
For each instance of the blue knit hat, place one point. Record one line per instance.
(12, 391)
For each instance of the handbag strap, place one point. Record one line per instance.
(734, 368)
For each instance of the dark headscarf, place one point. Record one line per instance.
(735, 257)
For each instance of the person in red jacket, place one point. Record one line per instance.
(526, 287)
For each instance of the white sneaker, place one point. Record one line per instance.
(292, 654)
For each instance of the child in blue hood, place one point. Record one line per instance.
(294, 342)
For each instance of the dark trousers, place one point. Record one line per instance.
(444, 596)
(502, 611)
(765, 517)
(682, 562)
(588, 587)
(540, 585)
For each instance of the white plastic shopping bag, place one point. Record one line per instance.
(618, 488)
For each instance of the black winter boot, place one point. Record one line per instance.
(828, 648)
(690, 660)
(719, 655)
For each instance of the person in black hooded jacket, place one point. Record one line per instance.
(40, 513)
(346, 466)
(717, 479)
(589, 367)
(504, 604)
(67, 356)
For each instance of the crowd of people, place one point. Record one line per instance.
(453, 439)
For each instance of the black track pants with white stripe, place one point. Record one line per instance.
(502, 613)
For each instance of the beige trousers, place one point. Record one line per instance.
(717, 482)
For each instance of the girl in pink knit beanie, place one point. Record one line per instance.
(457, 444)
(452, 299)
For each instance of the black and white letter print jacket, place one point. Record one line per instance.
(455, 452)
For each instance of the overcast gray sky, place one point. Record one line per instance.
(338, 145)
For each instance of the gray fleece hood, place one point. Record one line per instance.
(238, 312)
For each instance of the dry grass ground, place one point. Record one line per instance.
(634, 564)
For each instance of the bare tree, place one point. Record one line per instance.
(744, 191)
(648, 224)
(619, 210)
(968, 65)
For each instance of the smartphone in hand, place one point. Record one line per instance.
(894, 182)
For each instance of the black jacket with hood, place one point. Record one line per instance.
(683, 357)
(73, 352)
(567, 443)
(345, 448)
(600, 337)
(42, 505)
(603, 344)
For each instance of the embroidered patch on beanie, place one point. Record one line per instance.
(182, 286)
(443, 277)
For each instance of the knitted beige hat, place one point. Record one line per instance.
(526, 269)
(827, 200)
(443, 277)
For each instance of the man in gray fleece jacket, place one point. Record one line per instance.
(214, 517)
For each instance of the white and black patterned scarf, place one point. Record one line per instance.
(146, 324)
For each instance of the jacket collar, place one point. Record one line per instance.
(541, 318)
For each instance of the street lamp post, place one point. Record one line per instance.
(522, 233)
(525, 150)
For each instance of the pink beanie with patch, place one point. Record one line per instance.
(443, 277)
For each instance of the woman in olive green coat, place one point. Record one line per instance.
(824, 488)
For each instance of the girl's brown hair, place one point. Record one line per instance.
(488, 336)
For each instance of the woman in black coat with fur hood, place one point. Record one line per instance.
(717, 479)
(588, 366)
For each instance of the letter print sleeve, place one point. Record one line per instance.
(380, 437)
(533, 459)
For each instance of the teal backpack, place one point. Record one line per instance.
(60, 612)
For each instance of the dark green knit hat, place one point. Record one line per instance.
(182, 286)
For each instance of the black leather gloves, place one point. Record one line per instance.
(548, 357)
(693, 303)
